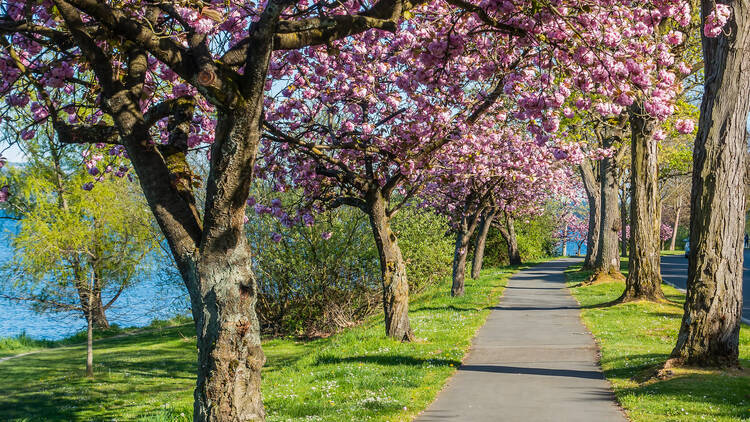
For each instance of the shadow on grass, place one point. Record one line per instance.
(702, 395)
(386, 360)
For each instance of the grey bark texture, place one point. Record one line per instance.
(508, 231)
(607, 258)
(644, 268)
(392, 268)
(709, 334)
(481, 242)
(590, 177)
(467, 226)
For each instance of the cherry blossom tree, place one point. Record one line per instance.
(129, 53)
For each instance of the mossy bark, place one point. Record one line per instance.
(392, 268)
(644, 266)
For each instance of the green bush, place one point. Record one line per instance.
(310, 286)
(536, 236)
(425, 244)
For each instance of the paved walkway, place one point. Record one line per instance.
(532, 361)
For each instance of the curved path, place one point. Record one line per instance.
(532, 361)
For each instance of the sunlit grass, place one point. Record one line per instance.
(357, 375)
(674, 252)
(636, 338)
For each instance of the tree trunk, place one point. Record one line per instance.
(463, 235)
(230, 356)
(644, 268)
(97, 312)
(90, 349)
(508, 231)
(392, 269)
(623, 222)
(676, 224)
(607, 258)
(93, 308)
(484, 229)
(591, 186)
(563, 249)
(709, 334)
(229, 350)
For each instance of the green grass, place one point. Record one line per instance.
(636, 338)
(357, 375)
(21, 343)
(674, 252)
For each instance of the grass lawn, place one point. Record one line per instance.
(357, 375)
(10, 346)
(636, 338)
(674, 252)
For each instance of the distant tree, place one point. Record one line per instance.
(74, 251)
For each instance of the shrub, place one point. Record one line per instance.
(311, 286)
(425, 244)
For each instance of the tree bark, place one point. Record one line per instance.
(466, 228)
(91, 303)
(644, 267)
(623, 222)
(709, 334)
(97, 312)
(229, 348)
(508, 231)
(484, 229)
(607, 258)
(591, 185)
(676, 225)
(89, 348)
(392, 269)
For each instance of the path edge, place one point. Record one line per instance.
(596, 343)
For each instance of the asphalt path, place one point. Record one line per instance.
(533, 361)
(674, 270)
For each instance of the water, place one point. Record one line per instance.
(571, 248)
(150, 299)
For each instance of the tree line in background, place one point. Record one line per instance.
(479, 113)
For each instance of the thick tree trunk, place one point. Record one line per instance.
(484, 229)
(591, 185)
(229, 345)
(676, 225)
(644, 269)
(508, 231)
(229, 348)
(709, 335)
(392, 269)
(607, 258)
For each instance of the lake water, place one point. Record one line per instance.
(137, 306)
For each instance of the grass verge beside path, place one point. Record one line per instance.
(357, 375)
(635, 338)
